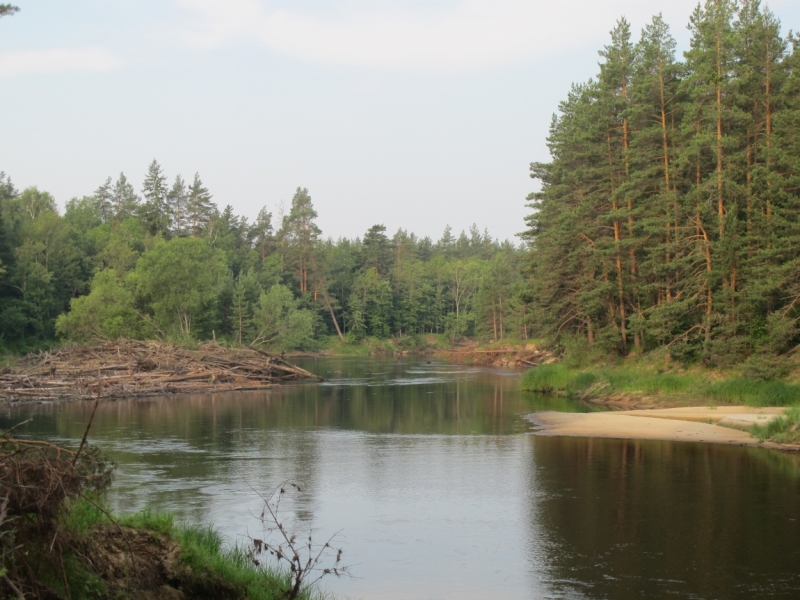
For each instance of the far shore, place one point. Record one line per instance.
(717, 425)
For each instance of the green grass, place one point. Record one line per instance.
(553, 378)
(783, 430)
(210, 562)
(212, 569)
(689, 387)
(333, 345)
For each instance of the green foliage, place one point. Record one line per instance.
(8, 9)
(105, 313)
(177, 277)
(171, 264)
(280, 323)
(370, 304)
(667, 217)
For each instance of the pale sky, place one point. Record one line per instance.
(407, 113)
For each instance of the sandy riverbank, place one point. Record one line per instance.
(721, 425)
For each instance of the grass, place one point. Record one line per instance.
(334, 346)
(783, 430)
(211, 566)
(688, 387)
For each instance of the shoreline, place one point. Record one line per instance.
(722, 425)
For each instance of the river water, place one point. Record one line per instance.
(439, 490)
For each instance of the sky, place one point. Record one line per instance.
(412, 114)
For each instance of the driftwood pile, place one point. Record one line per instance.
(129, 368)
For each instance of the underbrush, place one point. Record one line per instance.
(691, 386)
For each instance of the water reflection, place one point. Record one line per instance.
(644, 519)
(441, 492)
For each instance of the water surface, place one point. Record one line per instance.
(441, 491)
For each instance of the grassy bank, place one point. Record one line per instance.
(783, 430)
(630, 384)
(681, 388)
(59, 541)
(145, 553)
(202, 567)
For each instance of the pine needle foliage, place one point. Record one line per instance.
(668, 214)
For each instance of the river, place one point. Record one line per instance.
(439, 490)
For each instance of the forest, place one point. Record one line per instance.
(668, 214)
(164, 262)
(667, 218)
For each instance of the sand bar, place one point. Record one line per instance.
(693, 424)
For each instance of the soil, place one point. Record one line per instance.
(146, 565)
(526, 356)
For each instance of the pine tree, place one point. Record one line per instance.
(299, 234)
(613, 95)
(376, 251)
(262, 234)
(124, 201)
(177, 199)
(104, 195)
(655, 107)
(155, 209)
(199, 207)
(708, 120)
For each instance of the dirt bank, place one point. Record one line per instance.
(722, 425)
(526, 356)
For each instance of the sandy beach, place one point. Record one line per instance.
(721, 425)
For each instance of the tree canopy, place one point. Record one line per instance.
(668, 214)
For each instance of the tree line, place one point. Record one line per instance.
(668, 214)
(166, 262)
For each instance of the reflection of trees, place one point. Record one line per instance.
(632, 519)
(187, 452)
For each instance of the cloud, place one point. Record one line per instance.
(468, 35)
(55, 60)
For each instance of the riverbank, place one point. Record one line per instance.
(149, 556)
(503, 353)
(629, 387)
(59, 540)
(718, 425)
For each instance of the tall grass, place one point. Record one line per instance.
(211, 563)
(784, 429)
(551, 378)
(682, 386)
(212, 567)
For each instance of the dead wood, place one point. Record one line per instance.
(131, 368)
